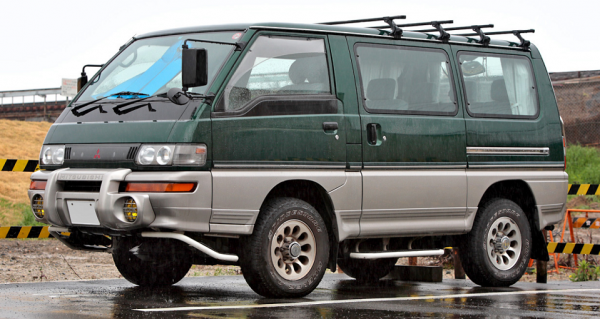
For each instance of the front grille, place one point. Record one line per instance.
(77, 186)
(131, 153)
(67, 153)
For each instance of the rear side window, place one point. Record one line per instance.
(279, 66)
(498, 85)
(406, 80)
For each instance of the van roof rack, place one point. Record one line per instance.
(444, 36)
(396, 31)
(363, 20)
(524, 43)
(484, 39)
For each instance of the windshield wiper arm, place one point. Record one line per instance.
(75, 110)
(129, 93)
(118, 111)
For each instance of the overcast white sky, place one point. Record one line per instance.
(44, 41)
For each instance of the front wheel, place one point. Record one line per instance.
(287, 254)
(496, 251)
(160, 263)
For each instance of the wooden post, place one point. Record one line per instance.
(542, 272)
(412, 261)
(542, 267)
(459, 272)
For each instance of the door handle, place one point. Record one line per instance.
(373, 134)
(330, 126)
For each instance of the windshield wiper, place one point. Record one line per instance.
(118, 111)
(75, 110)
(129, 93)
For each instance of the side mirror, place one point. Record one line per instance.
(194, 68)
(81, 82)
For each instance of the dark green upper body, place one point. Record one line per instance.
(287, 127)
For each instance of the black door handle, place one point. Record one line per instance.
(330, 126)
(372, 133)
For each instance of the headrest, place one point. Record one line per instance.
(312, 69)
(498, 91)
(297, 72)
(381, 89)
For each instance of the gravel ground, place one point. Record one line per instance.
(30, 260)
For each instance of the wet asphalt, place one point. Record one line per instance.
(338, 296)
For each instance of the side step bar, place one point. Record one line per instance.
(193, 243)
(397, 254)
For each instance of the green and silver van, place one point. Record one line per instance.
(288, 149)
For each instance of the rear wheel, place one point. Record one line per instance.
(168, 264)
(287, 254)
(366, 270)
(496, 251)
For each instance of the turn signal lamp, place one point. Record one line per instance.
(37, 206)
(37, 185)
(130, 210)
(160, 187)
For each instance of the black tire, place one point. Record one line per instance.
(286, 270)
(164, 270)
(487, 257)
(366, 270)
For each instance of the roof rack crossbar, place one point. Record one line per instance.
(418, 24)
(364, 20)
(444, 36)
(458, 28)
(517, 33)
(396, 32)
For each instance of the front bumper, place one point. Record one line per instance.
(178, 211)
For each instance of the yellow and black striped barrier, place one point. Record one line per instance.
(575, 249)
(585, 222)
(22, 232)
(583, 189)
(16, 165)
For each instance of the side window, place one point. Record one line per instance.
(278, 66)
(405, 80)
(498, 85)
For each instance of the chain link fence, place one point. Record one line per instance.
(578, 97)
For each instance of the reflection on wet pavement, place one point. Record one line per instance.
(336, 297)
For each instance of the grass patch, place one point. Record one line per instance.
(583, 165)
(19, 140)
(16, 214)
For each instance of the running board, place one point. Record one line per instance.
(193, 243)
(397, 254)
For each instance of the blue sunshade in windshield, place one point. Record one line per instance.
(161, 72)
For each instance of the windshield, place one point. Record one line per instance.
(152, 66)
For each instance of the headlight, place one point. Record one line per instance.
(163, 157)
(178, 155)
(52, 154)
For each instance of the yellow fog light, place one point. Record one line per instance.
(37, 206)
(130, 210)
